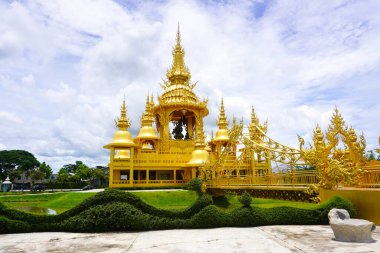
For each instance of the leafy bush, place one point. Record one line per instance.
(13, 226)
(195, 185)
(221, 201)
(335, 202)
(245, 199)
(210, 217)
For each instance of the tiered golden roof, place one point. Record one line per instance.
(177, 87)
(122, 137)
(222, 133)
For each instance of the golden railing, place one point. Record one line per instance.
(150, 182)
(275, 179)
(371, 178)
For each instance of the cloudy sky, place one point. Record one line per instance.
(66, 65)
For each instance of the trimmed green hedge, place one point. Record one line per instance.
(115, 210)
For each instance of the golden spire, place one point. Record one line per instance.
(222, 133)
(122, 137)
(123, 122)
(337, 123)
(147, 131)
(222, 122)
(254, 120)
(179, 72)
(147, 116)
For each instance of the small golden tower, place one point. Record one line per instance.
(147, 134)
(222, 133)
(122, 141)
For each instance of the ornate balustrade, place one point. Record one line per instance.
(276, 179)
(150, 182)
(371, 178)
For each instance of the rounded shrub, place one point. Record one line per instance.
(245, 199)
(196, 185)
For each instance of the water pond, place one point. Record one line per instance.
(35, 209)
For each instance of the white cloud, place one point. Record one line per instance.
(28, 80)
(65, 67)
(7, 117)
(64, 94)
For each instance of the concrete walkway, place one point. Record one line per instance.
(259, 239)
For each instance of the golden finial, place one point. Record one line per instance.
(179, 72)
(151, 100)
(123, 122)
(178, 38)
(254, 120)
(222, 122)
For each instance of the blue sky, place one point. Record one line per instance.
(66, 65)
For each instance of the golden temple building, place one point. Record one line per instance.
(159, 155)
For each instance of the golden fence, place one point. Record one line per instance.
(149, 182)
(371, 178)
(288, 179)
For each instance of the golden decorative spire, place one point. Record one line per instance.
(254, 120)
(222, 122)
(147, 131)
(337, 123)
(222, 133)
(122, 137)
(147, 116)
(318, 136)
(179, 72)
(123, 122)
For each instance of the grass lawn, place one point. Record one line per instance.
(168, 199)
(59, 202)
(174, 200)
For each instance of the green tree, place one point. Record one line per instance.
(63, 175)
(36, 175)
(83, 172)
(41, 172)
(71, 168)
(98, 173)
(14, 162)
(46, 169)
(370, 155)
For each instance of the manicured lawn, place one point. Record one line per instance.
(269, 203)
(59, 202)
(168, 199)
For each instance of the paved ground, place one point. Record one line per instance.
(260, 239)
